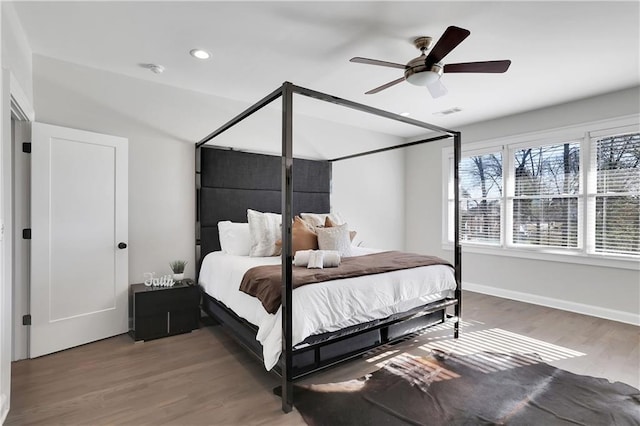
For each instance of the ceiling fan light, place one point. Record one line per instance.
(418, 74)
(423, 78)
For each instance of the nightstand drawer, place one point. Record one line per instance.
(163, 311)
(183, 321)
(156, 302)
(151, 327)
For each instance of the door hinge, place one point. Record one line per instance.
(26, 319)
(26, 234)
(26, 147)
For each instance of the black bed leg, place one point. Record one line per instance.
(457, 315)
(287, 397)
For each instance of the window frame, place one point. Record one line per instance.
(591, 191)
(510, 197)
(448, 230)
(585, 134)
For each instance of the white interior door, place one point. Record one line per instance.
(79, 195)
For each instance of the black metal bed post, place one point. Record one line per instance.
(197, 230)
(287, 217)
(457, 148)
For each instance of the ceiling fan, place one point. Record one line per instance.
(426, 70)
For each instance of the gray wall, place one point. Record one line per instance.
(597, 290)
(162, 124)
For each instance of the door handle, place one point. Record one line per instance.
(122, 245)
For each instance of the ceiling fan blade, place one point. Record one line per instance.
(486, 66)
(384, 86)
(377, 62)
(452, 37)
(437, 89)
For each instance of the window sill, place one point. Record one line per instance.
(551, 255)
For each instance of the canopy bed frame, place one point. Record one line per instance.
(278, 178)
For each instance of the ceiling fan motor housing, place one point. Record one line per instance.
(418, 66)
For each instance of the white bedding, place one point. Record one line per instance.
(326, 306)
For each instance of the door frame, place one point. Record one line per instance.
(13, 101)
(22, 116)
(20, 110)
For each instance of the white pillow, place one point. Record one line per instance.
(317, 219)
(335, 238)
(234, 238)
(264, 231)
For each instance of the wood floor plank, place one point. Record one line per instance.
(205, 378)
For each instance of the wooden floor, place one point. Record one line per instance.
(204, 378)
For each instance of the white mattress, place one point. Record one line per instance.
(323, 307)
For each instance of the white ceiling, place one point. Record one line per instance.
(560, 51)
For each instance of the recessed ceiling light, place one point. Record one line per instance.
(405, 114)
(200, 54)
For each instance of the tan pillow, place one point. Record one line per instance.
(328, 223)
(303, 236)
(317, 219)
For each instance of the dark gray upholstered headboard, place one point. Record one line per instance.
(232, 182)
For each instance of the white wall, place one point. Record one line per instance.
(368, 192)
(603, 291)
(5, 314)
(5, 285)
(16, 52)
(162, 123)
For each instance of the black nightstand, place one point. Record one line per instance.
(163, 311)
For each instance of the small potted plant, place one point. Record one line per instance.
(177, 266)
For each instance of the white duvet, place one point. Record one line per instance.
(323, 307)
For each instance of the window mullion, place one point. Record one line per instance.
(589, 166)
(509, 185)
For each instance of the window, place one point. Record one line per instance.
(615, 199)
(578, 195)
(480, 198)
(545, 195)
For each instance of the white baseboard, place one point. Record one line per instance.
(580, 308)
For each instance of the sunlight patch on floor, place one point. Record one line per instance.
(388, 350)
(498, 340)
(485, 350)
(418, 371)
(447, 327)
(382, 355)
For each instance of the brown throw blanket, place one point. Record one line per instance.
(264, 282)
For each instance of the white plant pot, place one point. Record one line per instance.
(178, 277)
